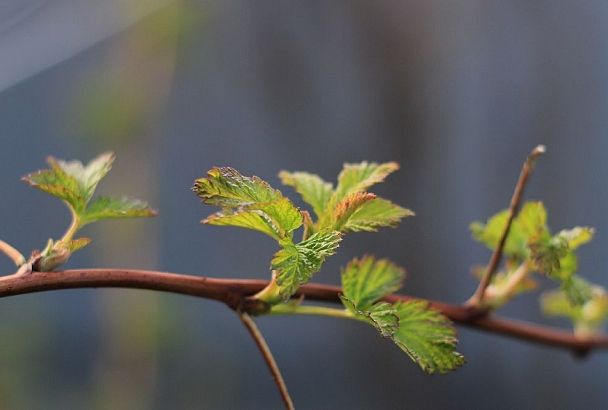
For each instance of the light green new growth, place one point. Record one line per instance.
(75, 184)
(312, 188)
(348, 208)
(587, 318)
(250, 202)
(296, 263)
(424, 334)
(530, 247)
(428, 337)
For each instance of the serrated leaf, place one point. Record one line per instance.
(114, 208)
(277, 219)
(227, 188)
(427, 336)
(367, 280)
(375, 214)
(296, 263)
(383, 316)
(345, 209)
(56, 182)
(314, 190)
(359, 177)
(72, 181)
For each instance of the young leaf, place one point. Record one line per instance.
(75, 184)
(88, 176)
(350, 204)
(57, 182)
(375, 214)
(359, 177)
(383, 316)
(529, 224)
(367, 280)
(296, 263)
(427, 337)
(576, 237)
(114, 208)
(278, 219)
(227, 188)
(587, 317)
(312, 188)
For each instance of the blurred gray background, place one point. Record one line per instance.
(456, 92)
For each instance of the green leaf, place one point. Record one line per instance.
(345, 209)
(587, 317)
(577, 236)
(114, 208)
(367, 280)
(57, 182)
(427, 336)
(359, 177)
(296, 263)
(312, 188)
(547, 254)
(88, 176)
(72, 181)
(529, 225)
(577, 290)
(375, 214)
(383, 316)
(277, 219)
(227, 188)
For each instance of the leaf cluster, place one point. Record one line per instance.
(531, 248)
(250, 202)
(75, 184)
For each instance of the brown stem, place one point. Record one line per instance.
(235, 293)
(268, 358)
(486, 279)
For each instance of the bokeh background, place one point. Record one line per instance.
(457, 92)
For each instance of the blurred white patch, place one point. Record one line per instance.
(37, 34)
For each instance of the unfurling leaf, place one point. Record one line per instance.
(312, 188)
(227, 188)
(296, 263)
(75, 184)
(248, 202)
(350, 204)
(530, 242)
(428, 337)
(377, 213)
(367, 280)
(359, 177)
(576, 237)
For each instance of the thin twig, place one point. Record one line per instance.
(268, 358)
(12, 253)
(232, 292)
(486, 279)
